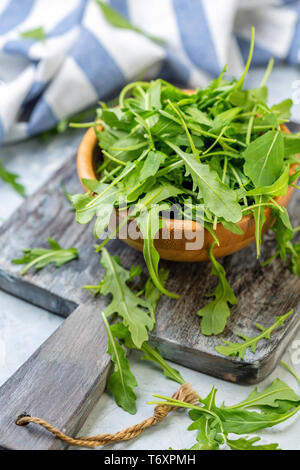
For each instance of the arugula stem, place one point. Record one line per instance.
(240, 82)
(82, 125)
(181, 404)
(37, 260)
(193, 147)
(114, 159)
(147, 349)
(267, 72)
(129, 87)
(260, 205)
(291, 371)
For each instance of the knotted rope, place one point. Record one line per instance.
(184, 393)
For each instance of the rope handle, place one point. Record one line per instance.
(184, 393)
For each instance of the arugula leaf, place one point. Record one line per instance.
(271, 396)
(153, 355)
(122, 381)
(291, 144)
(118, 21)
(208, 437)
(152, 294)
(260, 218)
(149, 223)
(240, 421)
(220, 199)
(239, 349)
(151, 165)
(278, 188)
(134, 310)
(120, 331)
(11, 179)
(87, 206)
(248, 444)
(41, 257)
(283, 231)
(264, 159)
(35, 33)
(216, 312)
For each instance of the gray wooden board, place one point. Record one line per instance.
(62, 380)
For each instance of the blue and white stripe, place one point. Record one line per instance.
(85, 59)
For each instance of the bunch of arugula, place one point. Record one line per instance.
(137, 311)
(222, 148)
(261, 409)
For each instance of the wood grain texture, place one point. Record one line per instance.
(66, 375)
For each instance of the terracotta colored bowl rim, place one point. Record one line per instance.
(86, 170)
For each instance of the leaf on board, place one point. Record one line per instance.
(215, 313)
(121, 382)
(41, 257)
(120, 331)
(134, 310)
(239, 349)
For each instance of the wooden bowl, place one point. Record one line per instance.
(173, 240)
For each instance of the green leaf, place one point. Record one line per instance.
(118, 21)
(291, 144)
(152, 294)
(259, 218)
(283, 109)
(264, 159)
(149, 224)
(278, 188)
(232, 227)
(283, 231)
(35, 33)
(157, 194)
(122, 381)
(11, 179)
(239, 349)
(270, 396)
(248, 444)
(41, 257)
(120, 331)
(244, 422)
(151, 165)
(215, 313)
(219, 198)
(87, 206)
(134, 310)
(295, 258)
(153, 355)
(225, 118)
(208, 437)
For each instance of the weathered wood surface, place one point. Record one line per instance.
(62, 380)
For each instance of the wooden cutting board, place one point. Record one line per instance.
(64, 378)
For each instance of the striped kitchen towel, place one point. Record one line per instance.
(59, 57)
